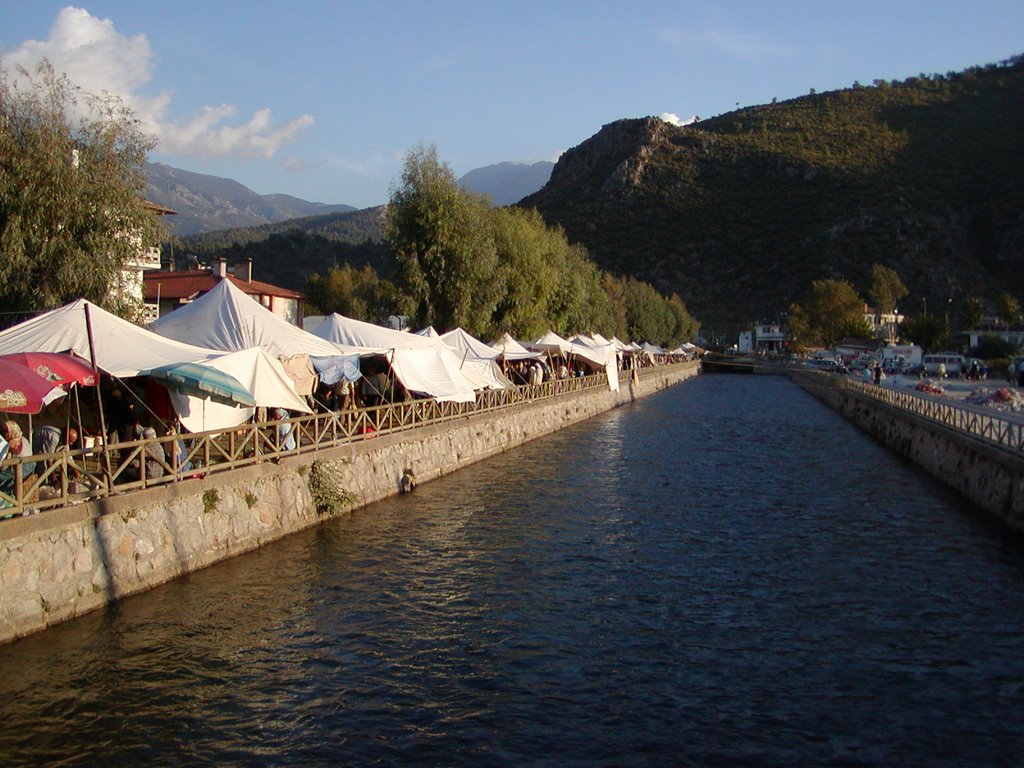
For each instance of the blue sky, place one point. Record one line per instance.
(321, 100)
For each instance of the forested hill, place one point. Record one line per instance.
(737, 214)
(286, 252)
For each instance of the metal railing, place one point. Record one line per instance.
(995, 428)
(45, 482)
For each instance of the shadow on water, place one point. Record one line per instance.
(725, 573)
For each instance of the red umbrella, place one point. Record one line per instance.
(58, 367)
(22, 390)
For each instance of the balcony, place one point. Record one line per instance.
(148, 258)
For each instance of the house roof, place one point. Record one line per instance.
(189, 284)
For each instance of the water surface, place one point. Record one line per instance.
(725, 573)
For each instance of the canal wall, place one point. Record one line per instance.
(66, 562)
(988, 475)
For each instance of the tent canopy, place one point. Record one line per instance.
(510, 349)
(423, 365)
(262, 375)
(121, 348)
(477, 357)
(226, 318)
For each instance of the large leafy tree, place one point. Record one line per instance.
(831, 311)
(930, 332)
(885, 289)
(71, 184)
(528, 271)
(357, 293)
(973, 312)
(440, 236)
(1008, 308)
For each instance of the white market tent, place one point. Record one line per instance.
(510, 349)
(551, 343)
(121, 348)
(426, 366)
(263, 376)
(598, 355)
(477, 357)
(124, 350)
(227, 318)
(602, 354)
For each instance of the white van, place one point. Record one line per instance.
(951, 363)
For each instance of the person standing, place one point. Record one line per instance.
(878, 374)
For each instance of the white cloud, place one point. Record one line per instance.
(674, 119)
(96, 57)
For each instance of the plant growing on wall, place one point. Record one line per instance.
(210, 500)
(329, 497)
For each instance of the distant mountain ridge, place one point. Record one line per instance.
(205, 203)
(507, 183)
(740, 213)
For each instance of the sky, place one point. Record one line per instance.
(322, 99)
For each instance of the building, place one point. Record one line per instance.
(166, 291)
(1010, 336)
(884, 325)
(128, 290)
(763, 338)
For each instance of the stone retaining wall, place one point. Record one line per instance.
(990, 476)
(64, 563)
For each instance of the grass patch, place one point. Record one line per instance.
(329, 497)
(210, 500)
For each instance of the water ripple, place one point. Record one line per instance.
(722, 574)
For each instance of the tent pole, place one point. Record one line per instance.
(105, 460)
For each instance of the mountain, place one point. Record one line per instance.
(205, 203)
(285, 252)
(739, 213)
(507, 183)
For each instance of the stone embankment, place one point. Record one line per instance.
(66, 562)
(979, 454)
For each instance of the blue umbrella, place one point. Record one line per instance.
(204, 382)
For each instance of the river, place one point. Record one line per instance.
(725, 573)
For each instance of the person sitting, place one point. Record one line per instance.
(17, 447)
(48, 440)
(285, 430)
(152, 454)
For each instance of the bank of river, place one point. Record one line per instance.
(725, 573)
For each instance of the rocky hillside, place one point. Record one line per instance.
(737, 214)
(206, 203)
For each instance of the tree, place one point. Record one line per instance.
(930, 332)
(1008, 309)
(442, 242)
(527, 252)
(831, 311)
(992, 347)
(973, 312)
(885, 290)
(71, 206)
(357, 293)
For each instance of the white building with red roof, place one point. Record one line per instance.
(166, 291)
